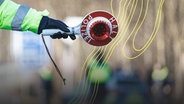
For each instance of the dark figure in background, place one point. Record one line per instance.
(160, 84)
(99, 73)
(46, 84)
(126, 88)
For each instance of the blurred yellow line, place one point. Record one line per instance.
(112, 47)
(122, 30)
(94, 67)
(96, 91)
(96, 87)
(130, 16)
(95, 84)
(124, 14)
(147, 6)
(111, 6)
(159, 14)
(118, 35)
(83, 72)
(136, 36)
(120, 3)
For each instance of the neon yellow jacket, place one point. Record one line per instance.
(18, 17)
(98, 72)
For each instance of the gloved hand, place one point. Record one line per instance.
(49, 23)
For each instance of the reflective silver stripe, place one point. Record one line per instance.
(19, 17)
(1, 1)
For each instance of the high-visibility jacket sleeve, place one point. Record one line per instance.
(18, 17)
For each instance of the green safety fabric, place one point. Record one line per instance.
(98, 72)
(32, 20)
(46, 74)
(21, 18)
(160, 74)
(8, 10)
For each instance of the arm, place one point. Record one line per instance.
(22, 18)
(18, 17)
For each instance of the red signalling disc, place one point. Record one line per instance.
(99, 28)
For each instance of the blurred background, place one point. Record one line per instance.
(98, 75)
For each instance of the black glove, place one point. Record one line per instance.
(49, 23)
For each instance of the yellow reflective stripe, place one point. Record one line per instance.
(19, 17)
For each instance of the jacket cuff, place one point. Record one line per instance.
(43, 24)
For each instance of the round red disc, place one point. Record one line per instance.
(95, 40)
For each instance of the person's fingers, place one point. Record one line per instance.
(65, 36)
(57, 35)
(53, 36)
(73, 37)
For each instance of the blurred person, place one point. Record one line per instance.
(126, 88)
(22, 18)
(161, 84)
(46, 77)
(99, 72)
